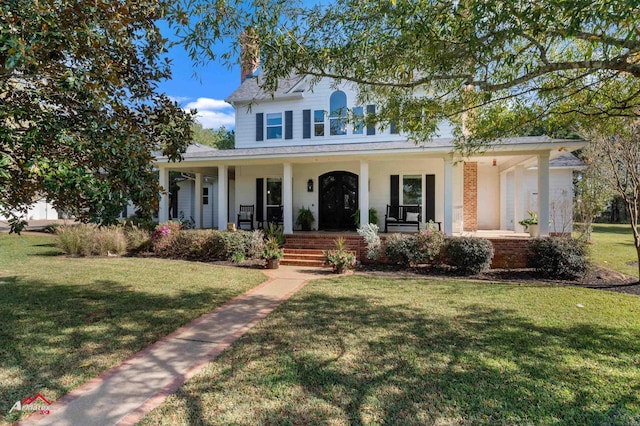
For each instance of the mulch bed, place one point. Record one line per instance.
(597, 278)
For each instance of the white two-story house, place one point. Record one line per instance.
(295, 148)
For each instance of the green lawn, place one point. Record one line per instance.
(64, 320)
(363, 350)
(612, 247)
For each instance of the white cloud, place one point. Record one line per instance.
(179, 99)
(213, 113)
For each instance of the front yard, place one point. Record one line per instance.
(612, 247)
(64, 320)
(365, 350)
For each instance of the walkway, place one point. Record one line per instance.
(126, 392)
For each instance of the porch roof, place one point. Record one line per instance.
(435, 147)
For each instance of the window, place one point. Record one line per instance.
(318, 122)
(274, 191)
(274, 125)
(338, 113)
(358, 120)
(205, 196)
(412, 189)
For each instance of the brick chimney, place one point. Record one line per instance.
(249, 53)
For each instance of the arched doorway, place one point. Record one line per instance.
(337, 201)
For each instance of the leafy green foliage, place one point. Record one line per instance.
(80, 117)
(468, 255)
(413, 249)
(502, 66)
(220, 138)
(564, 258)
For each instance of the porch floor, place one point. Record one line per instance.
(484, 233)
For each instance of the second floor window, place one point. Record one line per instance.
(318, 122)
(338, 113)
(274, 125)
(358, 120)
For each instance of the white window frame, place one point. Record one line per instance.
(274, 126)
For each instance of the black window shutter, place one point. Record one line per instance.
(260, 199)
(395, 195)
(259, 126)
(430, 188)
(371, 127)
(288, 124)
(306, 124)
(393, 128)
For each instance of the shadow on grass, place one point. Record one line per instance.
(54, 337)
(358, 360)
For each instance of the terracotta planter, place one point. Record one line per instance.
(273, 263)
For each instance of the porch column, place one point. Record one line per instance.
(197, 215)
(163, 207)
(543, 193)
(448, 196)
(363, 192)
(518, 198)
(287, 198)
(223, 208)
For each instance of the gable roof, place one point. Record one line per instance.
(250, 90)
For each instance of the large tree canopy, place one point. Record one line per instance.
(80, 118)
(507, 63)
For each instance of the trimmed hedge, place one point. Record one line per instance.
(563, 258)
(414, 249)
(468, 255)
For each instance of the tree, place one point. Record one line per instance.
(593, 190)
(220, 138)
(80, 119)
(615, 145)
(505, 63)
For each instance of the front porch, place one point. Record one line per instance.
(480, 194)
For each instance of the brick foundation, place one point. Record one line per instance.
(470, 197)
(508, 252)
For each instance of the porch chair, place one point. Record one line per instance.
(245, 215)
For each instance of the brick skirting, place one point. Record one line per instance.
(508, 252)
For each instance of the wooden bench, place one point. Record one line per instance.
(403, 216)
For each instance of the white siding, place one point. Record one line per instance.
(318, 99)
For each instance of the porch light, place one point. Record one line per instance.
(495, 163)
(310, 185)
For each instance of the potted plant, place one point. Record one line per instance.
(340, 259)
(305, 218)
(272, 253)
(373, 217)
(531, 224)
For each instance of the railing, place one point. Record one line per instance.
(458, 219)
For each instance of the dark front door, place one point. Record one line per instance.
(338, 201)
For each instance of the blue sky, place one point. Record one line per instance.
(201, 88)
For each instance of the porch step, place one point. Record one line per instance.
(302, 257)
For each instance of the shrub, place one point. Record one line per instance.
(426, 246)
(340, 259)
(108, 240)
(254, 243)
(468, 255)
(75, 240)
(374, 245)
(414, 249)
(90, 240)
(564, 258)
(138, 239)
(138, 222)
(164, 237)
(275, 231)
